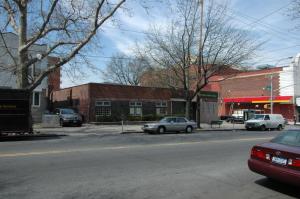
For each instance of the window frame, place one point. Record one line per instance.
(103, 106)
(34, 100)
(135, 105)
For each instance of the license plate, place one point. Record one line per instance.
(278, 160)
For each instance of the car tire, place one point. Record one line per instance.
(189, 129)
(61, 122)
(161, 129)
(263, 128)
(279, 128)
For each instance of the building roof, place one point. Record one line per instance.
(114, 91)
(128, 92)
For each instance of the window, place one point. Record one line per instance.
(161, 108)
(290, 138)
(103, 108)
(180, 120)
(135, 108)
(36, 99)
(102, 103)
(267, 117)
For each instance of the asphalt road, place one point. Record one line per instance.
(202, 165)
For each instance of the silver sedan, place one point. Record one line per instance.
(170, 124)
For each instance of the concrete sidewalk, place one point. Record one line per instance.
(117, 129)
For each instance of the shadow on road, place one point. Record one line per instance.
(13, 138)
(286, 189)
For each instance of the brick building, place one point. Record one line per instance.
(252, 90)
(241, 90)
(112, 102)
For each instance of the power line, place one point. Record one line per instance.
(271, 13)
(258, 21)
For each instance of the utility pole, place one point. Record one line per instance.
(200, 62)
(271, 96)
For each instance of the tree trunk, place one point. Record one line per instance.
(22, 70)
(187, 109)
(198, 111)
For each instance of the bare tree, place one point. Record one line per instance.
(66, 27)
(176, 47)
(294, 11)
(172, 48)
(126, 70)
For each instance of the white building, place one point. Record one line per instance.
(8, 60)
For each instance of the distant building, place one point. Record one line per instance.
(8, 59)
(252, 90)
(112, 102)
(241, 90)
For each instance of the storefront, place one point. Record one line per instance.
(281, 105)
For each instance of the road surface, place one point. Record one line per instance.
(135, 166)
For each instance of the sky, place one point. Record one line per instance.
(268, 20)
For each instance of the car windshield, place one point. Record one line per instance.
(168, 120)
(258, 117)
(67, 111)
(290, 138)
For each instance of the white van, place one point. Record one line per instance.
(265, 121)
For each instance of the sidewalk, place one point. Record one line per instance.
(117, 129)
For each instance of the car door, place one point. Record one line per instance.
(268, 122)
(171, 124)
(180, 124)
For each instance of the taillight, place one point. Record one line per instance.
(294, 162)
(260, 154)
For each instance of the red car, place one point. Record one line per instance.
(278, 159)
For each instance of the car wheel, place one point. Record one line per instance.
(189, 129)
(61, 122)
(161, 129)
(263, 128)
(279, 128)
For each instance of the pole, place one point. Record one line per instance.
(271, 100)
(201, 4)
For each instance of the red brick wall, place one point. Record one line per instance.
(70, 95)
(54, 77)
(253, 84)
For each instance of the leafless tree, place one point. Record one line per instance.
(126, 70)
(176, 47)
(294, 11)
(66, 27)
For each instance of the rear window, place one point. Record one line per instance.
(290, 138)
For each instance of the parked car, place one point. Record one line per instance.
(170, 124)
(265, 121)
(278, 159)
(68, 116)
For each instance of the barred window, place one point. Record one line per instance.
(161, 108)
(103, 108)
(135, 108)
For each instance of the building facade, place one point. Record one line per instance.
(257, 89)
(8, 60)
(111, 102)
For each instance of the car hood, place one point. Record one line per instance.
(69, 115)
